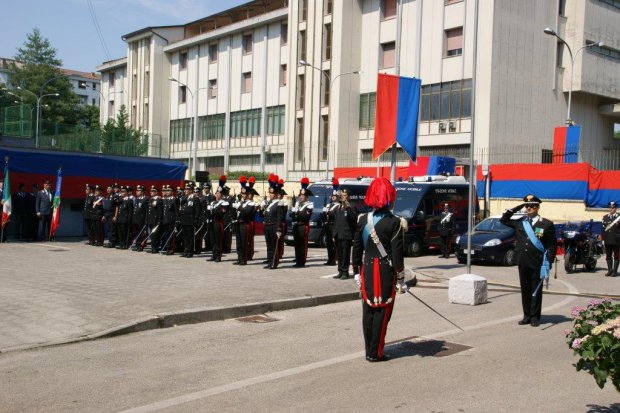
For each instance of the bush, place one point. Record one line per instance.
(595, 337)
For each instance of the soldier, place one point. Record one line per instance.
(301, 214)
(611, 236)
(329, 214)
(169, 218)
(228, 217)
(113, 226)
(96, 216)
(108, 212)
(345, 221)
(245, 210)
(123, 217)
(219, 209)
(250, 197)
(200, 227)
(273, 218)
(535, 242)
(283, 205)
(378, 246)
(86, 214)
(138, 220)
(154, 219)
(206, 218)
(189, 213)
(447, 225)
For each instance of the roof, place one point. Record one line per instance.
(87, 75)
(148, 29)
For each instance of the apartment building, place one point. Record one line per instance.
(290, 86)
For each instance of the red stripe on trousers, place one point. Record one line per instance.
(306, 233)
(386, 318)
(376, 277)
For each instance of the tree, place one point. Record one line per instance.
(617, 135)
(119, 138)
(38, 71)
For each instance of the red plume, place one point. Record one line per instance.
(223, 178)
(380, 193)
(243, 180)
(251, 181)
(305, 182)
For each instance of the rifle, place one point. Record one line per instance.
(150, 235)
(136, 239)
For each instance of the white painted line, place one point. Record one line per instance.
(329, 275)
(53, 246)
(203, 394)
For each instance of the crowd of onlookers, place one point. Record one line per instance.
(31, 213)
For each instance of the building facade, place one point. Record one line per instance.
(290, 86)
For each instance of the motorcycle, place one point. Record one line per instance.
(581, 247)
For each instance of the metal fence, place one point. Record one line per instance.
(17, 121)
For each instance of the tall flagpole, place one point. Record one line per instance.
(399, 25)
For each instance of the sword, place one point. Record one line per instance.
(199, 229)
(149, 237)
(170, 237)
(433, 310)
(136, 239)
(538, 287)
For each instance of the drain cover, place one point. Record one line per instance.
(260, 318)
(426, 348)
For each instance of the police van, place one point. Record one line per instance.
(420, 202)
(322, 192)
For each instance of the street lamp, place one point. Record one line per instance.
(194, 124)
(36, 134)
(552, 32)
(331, 84)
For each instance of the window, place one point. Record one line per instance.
(147, 51)
(301, 45)
(367, 110)
(94, 86)
(81, 84)
(180, 130)
(246, 43)
(325, 86)
(182, 94)
(211, 127)
(245, 123)
(147, 84)
(604, 51)
(559, 54)
(547, 156)
(448, 100)
(244, 160)
(562, 7)
(303, 10)
(134, 87)
(328, 7)
(145, 117)
(284, 33)
(301, 89)
(401, 155)
(274, 158)
(183, 60)
(213, 53)
(387, 55)
(327, 42)
(613, 3)
(452, 2)
(111, 111)
(454, 42)
(388, 9)
(283, 75)
(246, 82)
(324, 131)
(212, 89)
(111, 78)
(275, 120)
(94, 102)
(299, 142)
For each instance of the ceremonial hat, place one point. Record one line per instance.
(613, 204)
(123, 189)
(166, 187)
(304, 187)
(188, 186)
(46, 182)
(178, 188)
(207, 186)
(251, 182)
(129, 188)
(243, 181)
(116, 185)
(531, 199)
(97, 188)
(335, 186)
(154, 188)
(139, 188)
(380, 193)
(88, 186)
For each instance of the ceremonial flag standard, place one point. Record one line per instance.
(56, 205)
(6, 197)
(566, 144)
(396, 117)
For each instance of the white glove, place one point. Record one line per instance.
(235, 205)
(325, 209)
(210, 207)
(294, 209)
(357, 280)
(278, 234)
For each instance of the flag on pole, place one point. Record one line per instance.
(396, 118)
(566, 144)
(56, 205)
(6, 196)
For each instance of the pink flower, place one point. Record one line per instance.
(567, 332)
(576, 343)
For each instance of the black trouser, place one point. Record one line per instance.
(226, 248)
(188, 239)
(242, 238)
(108, 227)
(123, 234)
(21, 226)
(138, 235)
(218, 238)
(208, 236)
(612, 251)
(95, 224)
(156, 237)
(166, 231)
(300, 238)
(532, 306)
(344, 254)
(445, 245)
(374, 325)
(271, 239)
(330, 243)
(44, 226)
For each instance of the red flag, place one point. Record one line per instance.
(386, 114)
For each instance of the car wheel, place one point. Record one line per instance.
(414, 249)
(569, 262)
(461, 260)
(591, 265)
(509, 258)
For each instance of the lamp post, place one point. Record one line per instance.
(331, 84)
(194, 142)
(573, 57)
(39, 98)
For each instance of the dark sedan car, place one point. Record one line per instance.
(491, 241)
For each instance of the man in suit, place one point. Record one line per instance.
(43, 207)
(611, 236)
(447, 225)
(535, 240)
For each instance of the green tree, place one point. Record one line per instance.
(617, 134)
(38, 71)
(117, 137)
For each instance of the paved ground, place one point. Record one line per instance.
(64, 290)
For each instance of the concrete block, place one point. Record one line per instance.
(467, 289)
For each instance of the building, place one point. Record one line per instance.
(290, 86)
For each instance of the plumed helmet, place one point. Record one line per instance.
(222, 181)
(251, 182)
(380, 193)
(335, 185)
(243, 181)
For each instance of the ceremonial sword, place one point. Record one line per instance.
(433, 310)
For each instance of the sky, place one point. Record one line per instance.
(70, 28)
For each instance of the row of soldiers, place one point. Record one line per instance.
(194, 219)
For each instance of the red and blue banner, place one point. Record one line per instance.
(396, 116)
(56, 205)
(566, 144)
(603, 187)
(6, 196)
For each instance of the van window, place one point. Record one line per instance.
(321, 195)
(455, 197)
(407, 200)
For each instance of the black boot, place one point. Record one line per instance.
(615, 273)
(337, 277)
(345, 275)
(609, 268)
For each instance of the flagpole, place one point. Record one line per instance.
(399, 25)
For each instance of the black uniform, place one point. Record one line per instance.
(447, 225)
(169, 217)
(245, 218)
(219, 211)
(109, 206)
(329, 216)
(378, 276)
(86, 215)
(95, 219)
(123, 220)
(272, 219)
(154, 221)
(611, 236)
(138, 220)
(283, 206)
(207, 221)
(228, 225)
(301, 229)
(189, 213)
(530, 259)
(345, 221)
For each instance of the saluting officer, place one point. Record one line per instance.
(345, 221)
(188, 215)
(86, 213)
(535, 240)
(272, 220)
(96, 216)
(611, 236)
(123, 217)
(329, 215)
(169, 218)
(378, 246)
(301, 214)
(138, 220)
(154, 219)
(447, 225)
(219, 210)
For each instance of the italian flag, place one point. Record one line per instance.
(56, 205)
(6, 197)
